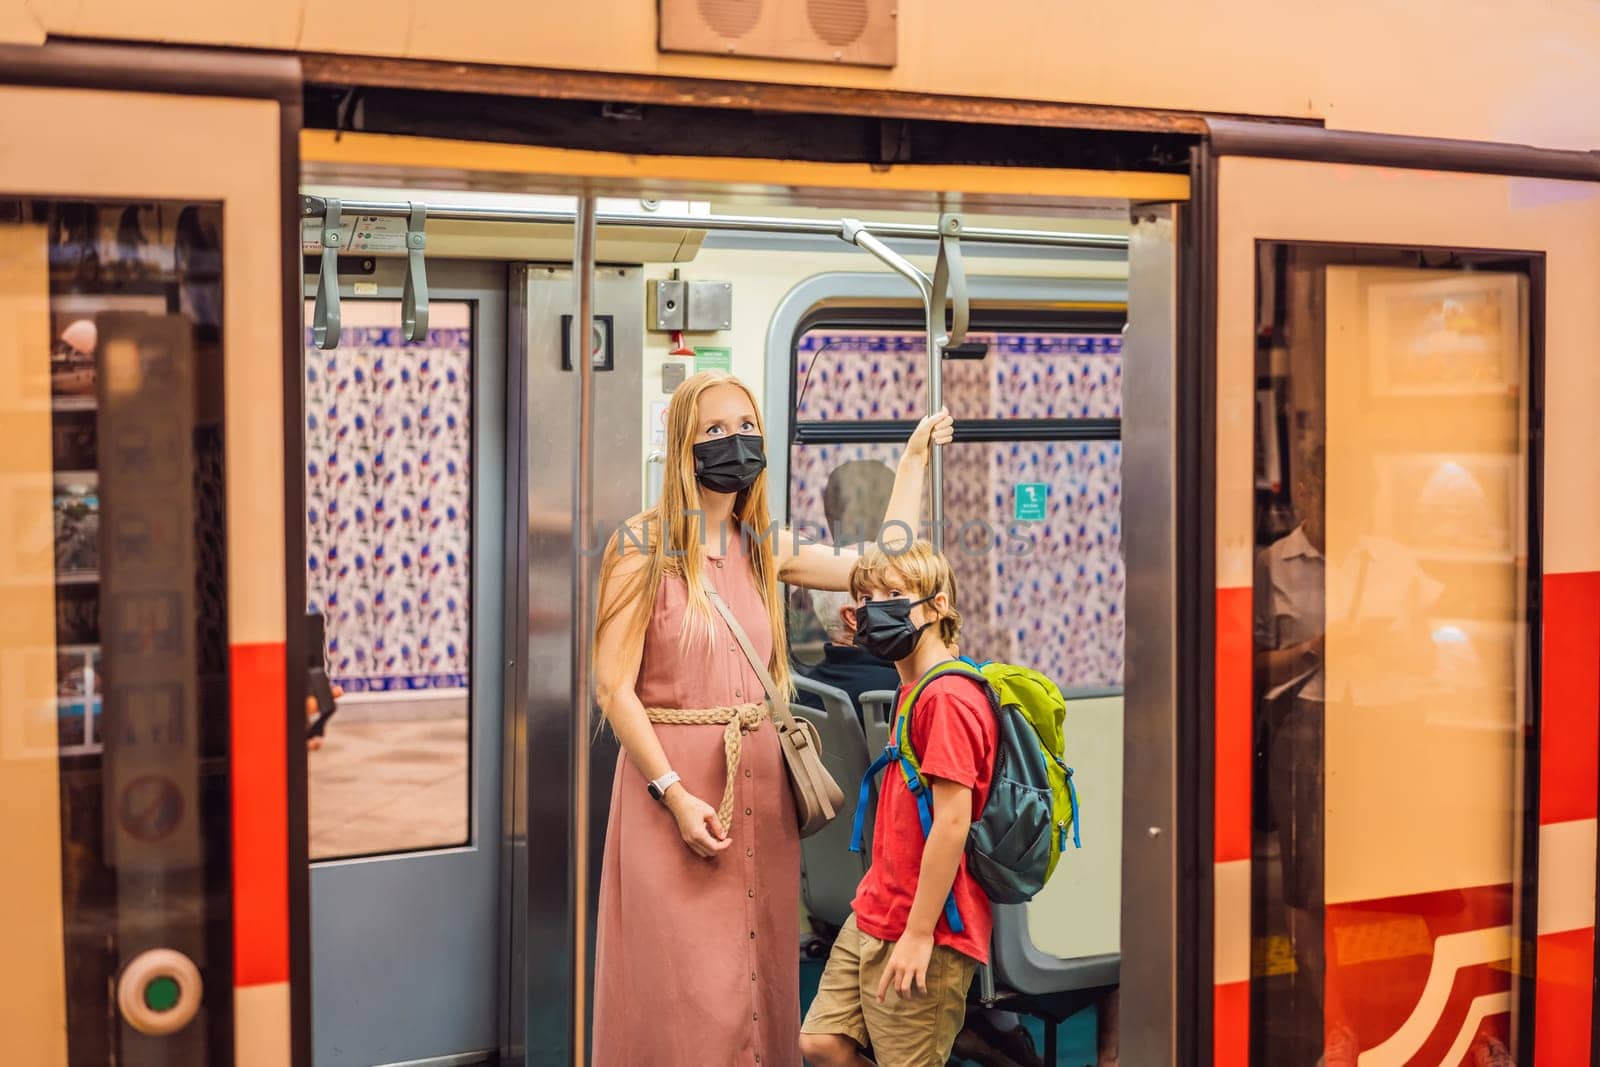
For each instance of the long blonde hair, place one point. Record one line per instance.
(668, 531)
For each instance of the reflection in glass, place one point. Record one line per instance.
(388, 539)
(126, 429)
(1389, 615)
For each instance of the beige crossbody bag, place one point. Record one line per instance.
(817, 797)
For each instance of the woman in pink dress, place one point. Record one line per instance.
(698, 937)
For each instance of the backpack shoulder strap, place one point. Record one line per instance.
(901, 728)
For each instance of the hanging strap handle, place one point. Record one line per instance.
(325, 317)
(414, 298)
(950, 281)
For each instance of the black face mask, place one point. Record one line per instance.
(729, 464)
(884, 628)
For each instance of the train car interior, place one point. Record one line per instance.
(439, 348)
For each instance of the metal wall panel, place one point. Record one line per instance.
(550, 724)
(1149, 480)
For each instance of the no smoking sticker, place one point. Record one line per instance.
(150, 808)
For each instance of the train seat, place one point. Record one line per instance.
(829, 871)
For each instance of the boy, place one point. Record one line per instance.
(898, 976)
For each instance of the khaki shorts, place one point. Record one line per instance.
(902, 1032)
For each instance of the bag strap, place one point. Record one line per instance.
(780, 707)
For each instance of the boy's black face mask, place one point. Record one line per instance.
(729, 464)
(884, 628)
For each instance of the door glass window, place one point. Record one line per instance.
(1391, 610)
(114, 641)
(388, 542)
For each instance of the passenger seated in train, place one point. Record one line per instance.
(897, 979)
(845, 665)
(854, 502)
(695, 956)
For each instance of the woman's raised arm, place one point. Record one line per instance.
(816, 566)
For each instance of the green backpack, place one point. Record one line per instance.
(1015, 844)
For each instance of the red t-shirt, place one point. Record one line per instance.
(954, 733)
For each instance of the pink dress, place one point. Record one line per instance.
(697, 961)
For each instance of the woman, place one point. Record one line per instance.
(698, 936)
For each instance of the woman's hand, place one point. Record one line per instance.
(937, 429)
(698, 824)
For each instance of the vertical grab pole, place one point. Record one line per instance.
(933, 314)
(949, 280)
(934, 311)
(583, 255)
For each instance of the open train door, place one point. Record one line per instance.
(1398, 716)
(149, 325)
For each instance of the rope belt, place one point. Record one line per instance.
(736, 720)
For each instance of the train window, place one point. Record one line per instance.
(869, 374)
(388, 537)
(1391, 598)
(1032, 488)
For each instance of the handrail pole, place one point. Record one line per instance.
(933, 317)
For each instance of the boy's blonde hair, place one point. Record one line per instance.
(919, 570)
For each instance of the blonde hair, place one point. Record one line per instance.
(671, 535)
(919, 570)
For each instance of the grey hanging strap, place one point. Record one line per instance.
(414, 298)
(325, 317)
(950, 280)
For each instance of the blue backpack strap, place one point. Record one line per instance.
(1072, 799)
(884, 758)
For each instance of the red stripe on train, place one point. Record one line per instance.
(1569, 753)
(1563, 998)
(1231, 1025)
(1234, 718)
(260, 815)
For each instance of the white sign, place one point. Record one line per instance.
(658, 422)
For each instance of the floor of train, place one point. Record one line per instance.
(1076, 1037)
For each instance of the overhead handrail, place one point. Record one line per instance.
(414, 297)
(894, 231)
(325, 316)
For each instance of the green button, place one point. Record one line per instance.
(161, 994)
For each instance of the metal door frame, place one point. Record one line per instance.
(482, 284)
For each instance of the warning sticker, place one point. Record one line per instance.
(373, 234)
(150, 808)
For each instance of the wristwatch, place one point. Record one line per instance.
(659, 787)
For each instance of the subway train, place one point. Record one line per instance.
(1263, 363)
